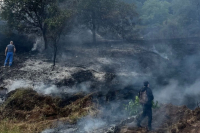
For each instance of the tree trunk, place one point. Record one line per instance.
(94, 27)
(45, 42)
(45, 39)
(55, 54)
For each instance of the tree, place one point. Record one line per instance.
(112, 15)
(92, 13)
(122, 20)
(187, 14)
(48, 17)
(154, 15)
(28, 16)
(56, 24)
(155, 12)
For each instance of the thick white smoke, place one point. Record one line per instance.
(176, 93)
(90, 124)
(42, 88)
(39, 44)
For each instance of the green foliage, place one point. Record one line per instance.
(104, 16)
(90, 11)
(155, 105)
(26, 15)
(35, 16)
(124, 18)
(57, 22)
(169, 18)
(186, 14)
(155, 11)
(46, 18)
(133, 107)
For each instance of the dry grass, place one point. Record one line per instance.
(7, 127)
(11, 126)
(27, 112)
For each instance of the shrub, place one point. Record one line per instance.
(134, 107)
(155, 105)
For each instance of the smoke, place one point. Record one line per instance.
(89, 124)
(80, 36)
(38, 45)
(85, 125)
(163, 55)
(131, 68)
(47, 89)
(169, 94)
(62, 128)
(13, 85)
(39, 87)
(110, 115)
(178, 94)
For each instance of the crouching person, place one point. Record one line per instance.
(9, 52)
(146, 97)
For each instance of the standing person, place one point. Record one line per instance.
(9, 52)
(146, 97)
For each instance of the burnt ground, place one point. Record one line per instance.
(170, 119)
(99, 80)
(106, 68)
(120, 59)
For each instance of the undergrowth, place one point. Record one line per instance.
(134, 107)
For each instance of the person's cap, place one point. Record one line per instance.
(146, 83)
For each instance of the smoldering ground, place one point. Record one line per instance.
(170, 77)
(172, 68)
(47, 89)
(160, 62)
(106, 120)
(126, 66)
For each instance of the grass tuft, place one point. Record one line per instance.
(8, 127)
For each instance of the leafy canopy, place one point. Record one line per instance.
(107, 15)
(27, 15)
(155, 11)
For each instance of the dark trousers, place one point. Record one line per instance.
(147, 111)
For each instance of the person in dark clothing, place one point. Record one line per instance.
(9, 52)
(147, 107)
